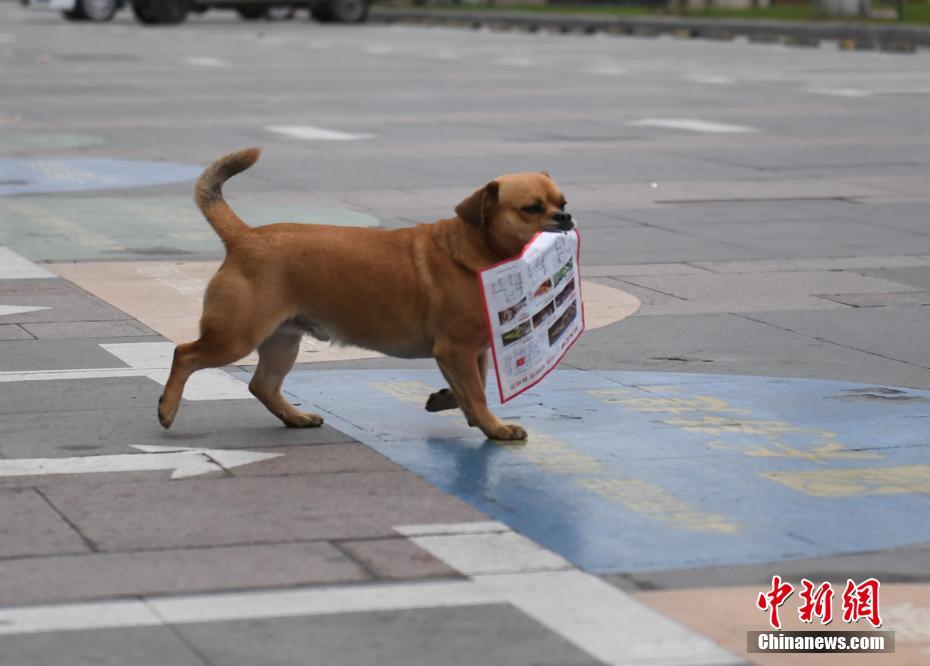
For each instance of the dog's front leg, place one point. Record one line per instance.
(461, 369)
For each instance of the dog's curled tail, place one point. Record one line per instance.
(208, 193)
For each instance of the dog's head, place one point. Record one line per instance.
(512, 208)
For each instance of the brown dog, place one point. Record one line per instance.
(412, 293)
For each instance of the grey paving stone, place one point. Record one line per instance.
(212, 512)
(38, 431)
(128, 646)
(853, 155)
(29, 526)
(318, 459)
(734, 344)
(650, 298)
(58, 355)
(430, 637)
(396, 558)
(70, 578)
(747, 212)
(642, 269)
(66, 301)
(593, 219)
(908, 216)
(756, 292)
(635, 245)
(14, 332)
(903, 299)
(893, 333)
(41, 399)
(808, 238)
(89, 329)
(916, 276)
(857, 264)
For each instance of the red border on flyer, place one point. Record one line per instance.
(487, 316)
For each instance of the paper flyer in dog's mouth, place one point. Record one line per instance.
(534, 310)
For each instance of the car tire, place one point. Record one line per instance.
(164, 12)
(251, 12)
(341, 11)
(281, 13)
(76, 14)
(99, 11)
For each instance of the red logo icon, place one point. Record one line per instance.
(860, 602)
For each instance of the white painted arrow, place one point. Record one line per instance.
(20, 309)
(185, 462)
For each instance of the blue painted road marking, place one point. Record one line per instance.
(629, 471)
(28, 176)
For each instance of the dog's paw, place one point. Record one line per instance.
(441, 400)
(304, 420)
(507, 432)
(163, 417)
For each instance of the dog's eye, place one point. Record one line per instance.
(563, 205)
(534, 209)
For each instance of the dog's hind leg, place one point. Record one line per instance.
(234, 322)
(444, 399)
(275, 357)
(209, 351)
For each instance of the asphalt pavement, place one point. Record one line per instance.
(750, 398)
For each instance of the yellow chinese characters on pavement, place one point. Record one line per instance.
(858, 481)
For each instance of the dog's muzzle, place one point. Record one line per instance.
(560, 222)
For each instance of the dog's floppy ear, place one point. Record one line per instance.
(474, 209)
(546, 174)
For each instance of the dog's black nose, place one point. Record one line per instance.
(564, 220)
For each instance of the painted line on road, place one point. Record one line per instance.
(205, 61)
(603, 621)
(16, 267)
(155, 611)
(490, 553)
(59, 375)
(692, 125)
(435, 529)
(608, 69)
(841, 92)
(145, 359)
(311, 133)
(515, 61)
(710, 79)
(6, 310)
(156, 357)
(377, 49)
(184, 462)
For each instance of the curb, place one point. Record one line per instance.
(849, 35)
